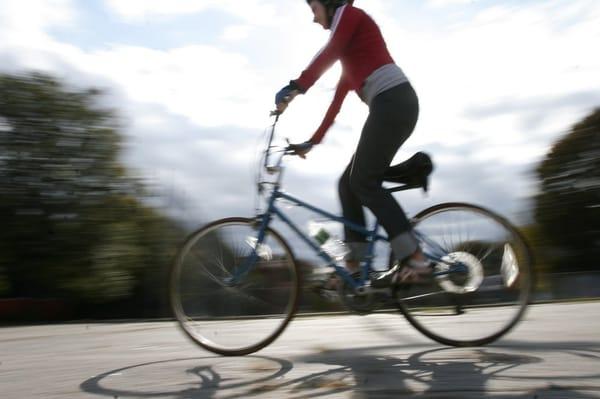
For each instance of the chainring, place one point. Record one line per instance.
(360, 303)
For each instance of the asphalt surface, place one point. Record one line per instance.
(553, 353)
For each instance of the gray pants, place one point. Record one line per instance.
(392, 118)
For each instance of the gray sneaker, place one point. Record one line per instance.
(407, 272)
(330, 283)
(415, 272)
(384, 278)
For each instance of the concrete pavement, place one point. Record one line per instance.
(553, 353)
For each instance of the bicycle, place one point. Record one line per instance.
(234, 283)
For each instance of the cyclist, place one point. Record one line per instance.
(368, 69)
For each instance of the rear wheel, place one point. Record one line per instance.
(230, 294)
(483, 276)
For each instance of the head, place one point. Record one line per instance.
(324, 10)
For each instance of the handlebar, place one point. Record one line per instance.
(290, 149)
(284, 104)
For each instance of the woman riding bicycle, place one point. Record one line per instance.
(368, 69)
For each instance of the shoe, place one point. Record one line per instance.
(328, 287)
(383, 279)
(407, 272)
(330, 283)
(414, 271)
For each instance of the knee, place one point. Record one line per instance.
(362, 187)
(344, 189)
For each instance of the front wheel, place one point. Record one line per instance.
(231, 294)
(482, 280)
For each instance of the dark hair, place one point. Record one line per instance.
(333, 3)
(331, 6)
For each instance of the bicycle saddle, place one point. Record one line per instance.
(413, 172)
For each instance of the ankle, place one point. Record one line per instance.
(352, 265)
(418, 255)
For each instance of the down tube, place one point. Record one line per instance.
(340, 270)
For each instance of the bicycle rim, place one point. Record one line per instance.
(229, 294)
(490, 294)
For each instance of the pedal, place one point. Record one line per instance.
(329, 294)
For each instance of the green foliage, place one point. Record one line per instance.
(568, 207)
(73, 223)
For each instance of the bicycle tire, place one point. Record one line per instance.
(420, 318)
(211, 315)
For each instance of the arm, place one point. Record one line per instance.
(341, 91)
(340, 37)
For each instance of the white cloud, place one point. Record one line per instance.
(236, 32)
(255, 11)
(504, 54)
(24, 22)
(445, 3)
(208, 85)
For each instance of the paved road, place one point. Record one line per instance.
(554, 353)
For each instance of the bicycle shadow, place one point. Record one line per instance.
(370, 372)
(450, 372)
(203, 380)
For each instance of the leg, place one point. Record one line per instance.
(352, 210)
(391, 120)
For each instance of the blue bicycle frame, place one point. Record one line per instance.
(437, 253)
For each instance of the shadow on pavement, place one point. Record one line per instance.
(201, 378)
(371, 372)
(445, 373)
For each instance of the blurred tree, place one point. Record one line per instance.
(567, 209)
(73, 224)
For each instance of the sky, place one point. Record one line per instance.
(194, 81)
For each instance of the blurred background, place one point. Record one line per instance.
(126, 125)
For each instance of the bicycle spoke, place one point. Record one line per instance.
(233, 317)
(211, 275)
(480, 289)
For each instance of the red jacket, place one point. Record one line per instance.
(357, 42)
